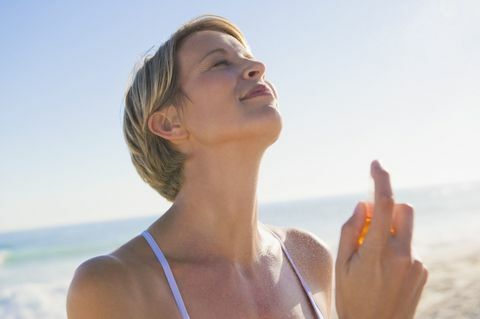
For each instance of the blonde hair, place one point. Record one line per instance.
(154, 86)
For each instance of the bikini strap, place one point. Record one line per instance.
(304, 283)
(168, 273)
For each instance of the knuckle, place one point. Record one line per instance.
(425, 275)
(386, 200)
(407, 208)
(425, 270)
(384, 173)
(418, 266)
(373, 255)
(346, 227)
(404, 260)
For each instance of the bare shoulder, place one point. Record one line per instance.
(307, 245)
(100, 289)
(314, 259)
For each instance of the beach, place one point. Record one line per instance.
(36, 266)
(453, 287)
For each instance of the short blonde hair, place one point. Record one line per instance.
(155, 85)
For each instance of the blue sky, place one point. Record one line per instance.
(396, 81)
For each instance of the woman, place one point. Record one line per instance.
(199, 115)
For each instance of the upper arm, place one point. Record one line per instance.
(99, 290)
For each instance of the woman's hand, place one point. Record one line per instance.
(379, 278)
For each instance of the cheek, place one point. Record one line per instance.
(218, 84)
(212, 127)
(214, 107)
(215, 92)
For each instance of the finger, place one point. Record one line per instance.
(419, 281)
(403, 226)
(414, 298)
(350, 232)
(368, 220)
(383, 207)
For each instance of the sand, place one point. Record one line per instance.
(453, 287)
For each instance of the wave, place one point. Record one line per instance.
(3, 256)
(29, 301)
(10, 258)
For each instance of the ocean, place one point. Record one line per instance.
(36, 266)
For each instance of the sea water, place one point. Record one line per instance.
(36, 266)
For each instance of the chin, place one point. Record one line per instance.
(270, 125)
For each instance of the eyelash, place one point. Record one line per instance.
(221, 62)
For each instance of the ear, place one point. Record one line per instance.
(166, 123)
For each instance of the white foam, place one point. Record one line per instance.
(34, 300)
(3, 256)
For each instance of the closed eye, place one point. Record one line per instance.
(221, 62)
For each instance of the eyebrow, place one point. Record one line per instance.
(222, 50)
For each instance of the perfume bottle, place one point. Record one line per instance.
(366, 225)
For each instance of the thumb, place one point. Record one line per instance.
(350, 233)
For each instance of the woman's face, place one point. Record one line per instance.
(215, 83)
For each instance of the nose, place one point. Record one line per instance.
(254, 70)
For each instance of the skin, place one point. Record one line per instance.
(226, 263)
(384, 263)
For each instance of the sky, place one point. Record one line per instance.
(396, 81)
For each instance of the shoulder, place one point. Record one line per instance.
(305, 245)
(314, 259)
(100, 289)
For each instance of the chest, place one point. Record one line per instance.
(272, 292)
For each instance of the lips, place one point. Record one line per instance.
(257, 90)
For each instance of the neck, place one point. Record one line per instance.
(215, 213)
